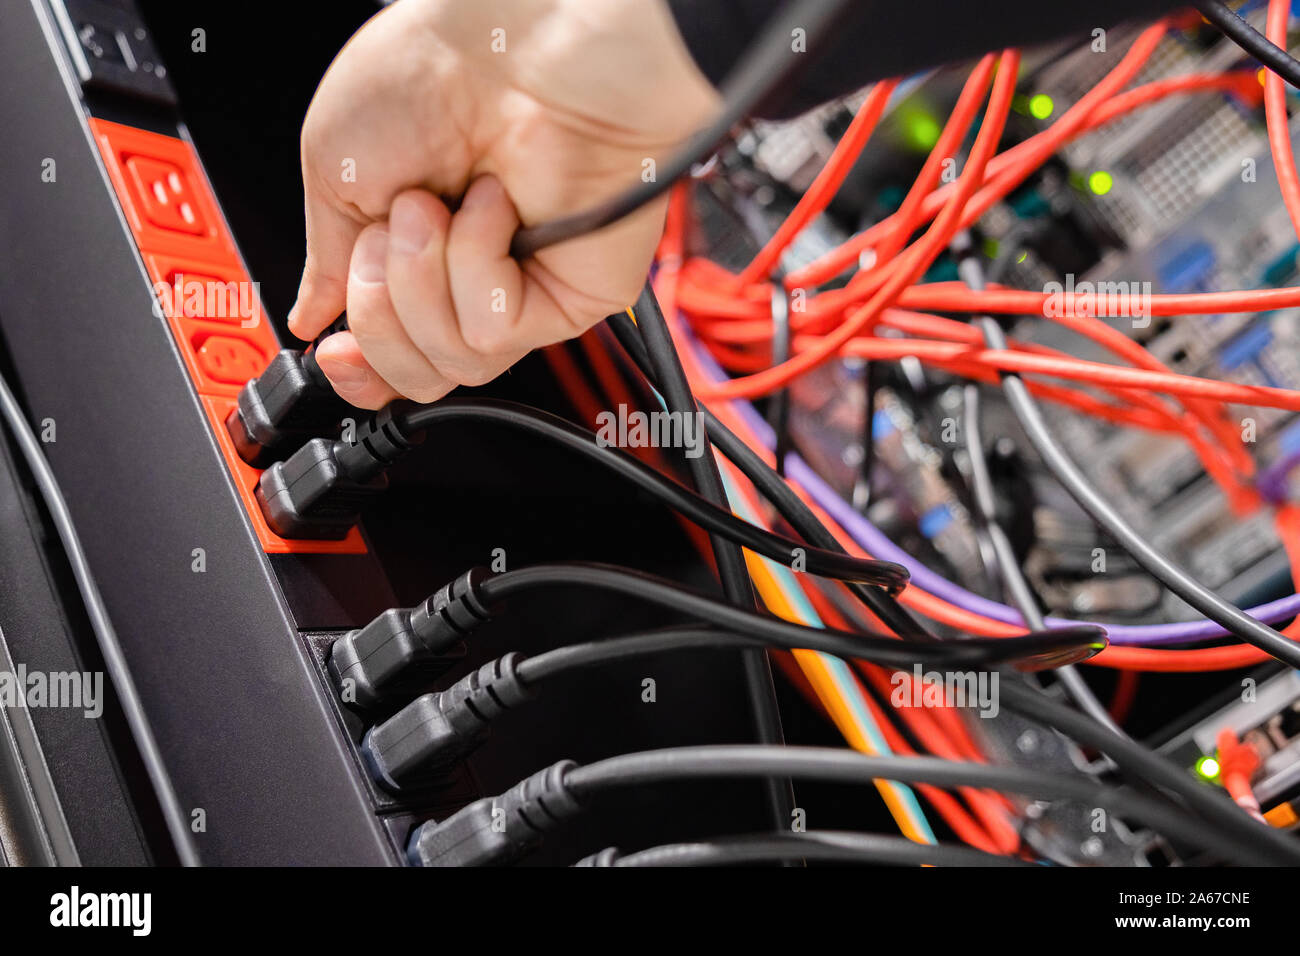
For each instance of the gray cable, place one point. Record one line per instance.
(1005, 558)
(114, 660)
(680, 764)
(1227, 615)
(1004, 555)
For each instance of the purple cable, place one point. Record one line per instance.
(1272, 480)
(878, 545)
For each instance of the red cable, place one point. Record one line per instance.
(1121, 703)
(1279, 131)
(954, 131)
(1026, 156)
(828, 181)
(905, 269)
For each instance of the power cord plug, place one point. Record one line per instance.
(498, 830)
(1238, 764)
(434, 731)
(404, 646)
(286, 406)
(319, 491)
(289, 404)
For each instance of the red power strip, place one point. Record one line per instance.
(203, 291)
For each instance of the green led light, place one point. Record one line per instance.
(1022, 257)
(1207, 767)
(921, 129)
(1100, 182)
(1041, 106)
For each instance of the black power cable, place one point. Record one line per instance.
(1260, 47)
(427, 735)
(1079, 640)
(503, 828)
(410, 420)
(823, 846)
(736, 583)
(405, 646)
(765, 68)
(775, 489)
(845, 766)
(576, 657)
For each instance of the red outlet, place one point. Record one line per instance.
(216, 316)
(167, 197)
(191, 289)
(160, 184)
(230, 360)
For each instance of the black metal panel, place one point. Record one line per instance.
(42, 635)
(241, 720)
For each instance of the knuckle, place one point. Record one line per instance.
(424, 394)
(486, 337)
(363, 318)
(365, 398)
(471, 375)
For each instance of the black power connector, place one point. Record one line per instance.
(434, 731)
(405, 647)
(286, 406)
(289, 404)
(318, 491)
(498, 830)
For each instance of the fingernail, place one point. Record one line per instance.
(297, 305)
(346, 377)
(409, 227)
(370, 257)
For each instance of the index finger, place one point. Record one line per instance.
(323, 291)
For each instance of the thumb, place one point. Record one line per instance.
(323, 291)
(353, 379)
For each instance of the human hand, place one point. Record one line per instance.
(524, 109)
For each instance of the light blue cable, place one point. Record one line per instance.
(841, 673)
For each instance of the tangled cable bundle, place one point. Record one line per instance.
(866, 299)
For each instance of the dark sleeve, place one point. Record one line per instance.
(875, 39)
